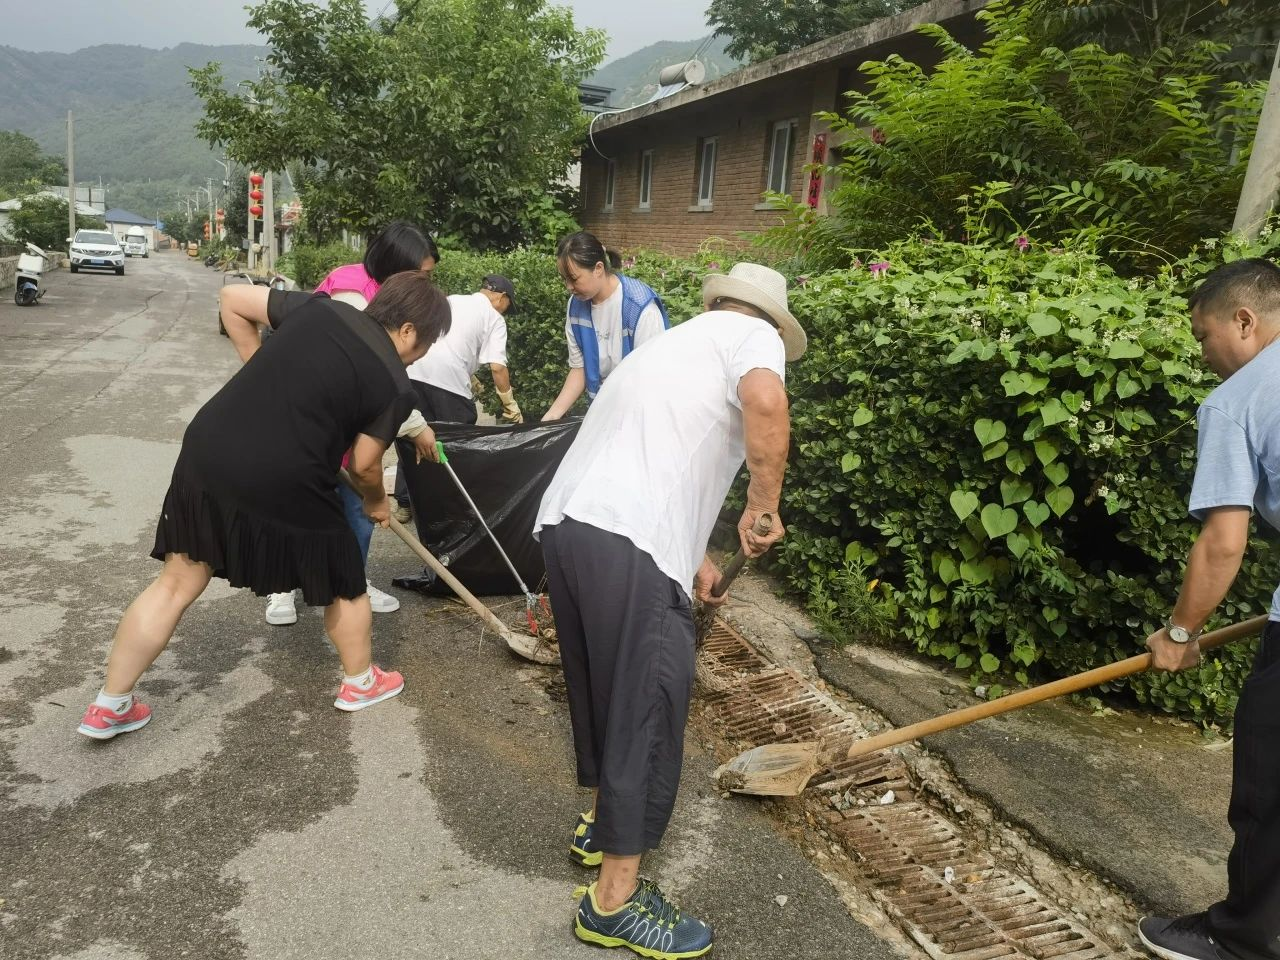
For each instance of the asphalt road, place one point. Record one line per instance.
(251, 819)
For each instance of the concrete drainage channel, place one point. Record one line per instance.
(937, 864)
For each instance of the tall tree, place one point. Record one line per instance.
(458, 114)
(22, 162)
(758, 31)
(1249, 28)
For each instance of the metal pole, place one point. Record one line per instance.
(71, 179)
(212, 225)
(1262, 179)
(268, 225)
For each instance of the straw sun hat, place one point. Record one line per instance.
(765, 289)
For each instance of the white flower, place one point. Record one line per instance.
(1086, 406)
(1210, 243)
(1104, 492)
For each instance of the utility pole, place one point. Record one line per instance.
(212, 225)
(268, 225)
(71, 180)
(1262, 179)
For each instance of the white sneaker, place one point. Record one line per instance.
(280, 609)
(381, 602)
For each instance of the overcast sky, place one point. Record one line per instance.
(631, 24)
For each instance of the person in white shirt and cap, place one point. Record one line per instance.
(444, 378)
(624, 527)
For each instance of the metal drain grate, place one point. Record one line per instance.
(903, 848)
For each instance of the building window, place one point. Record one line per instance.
(779, 180)
(706, 172)
(610, 177)
(646, 178)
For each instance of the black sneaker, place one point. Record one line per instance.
(1181, 938)
(648, 924)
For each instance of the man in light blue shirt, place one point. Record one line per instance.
(1235, 315)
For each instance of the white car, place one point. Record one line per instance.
(98, 250)
(135, 246)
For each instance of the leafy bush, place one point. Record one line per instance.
(992, 445)
(1144, 156)
(308, 264)
(1006, 439)
(43, 221)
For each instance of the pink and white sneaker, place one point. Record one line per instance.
(386, 684)
(102, 723)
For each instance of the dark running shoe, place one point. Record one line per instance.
(1182, 938)
(582, 847)
(648, 924)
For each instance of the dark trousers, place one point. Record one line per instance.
(1248, 922)
(625, 632)
(438, 406)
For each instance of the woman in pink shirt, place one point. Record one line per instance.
(398, 246)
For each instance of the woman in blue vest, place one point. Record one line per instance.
(609, 315)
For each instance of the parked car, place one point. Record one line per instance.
(98, 250)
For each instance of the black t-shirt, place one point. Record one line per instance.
(271, 440)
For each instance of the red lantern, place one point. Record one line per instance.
(255, 179)
(255, 211)
(255, 194)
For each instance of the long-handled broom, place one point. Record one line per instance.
(529, 648)
(784, 769)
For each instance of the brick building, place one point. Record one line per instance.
(670, 174)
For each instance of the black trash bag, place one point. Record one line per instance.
(506, 470)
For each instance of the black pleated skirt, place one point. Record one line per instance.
(257, 552)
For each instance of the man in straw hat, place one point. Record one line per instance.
(624, 529)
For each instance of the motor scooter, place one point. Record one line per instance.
(26, 288)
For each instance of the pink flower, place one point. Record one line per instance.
(629, 262)
(879, 267)
(878, 137)
(857, 264)
(802, 280)
(713, 265)
(1022, 243)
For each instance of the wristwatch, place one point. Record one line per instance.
(1181, 634)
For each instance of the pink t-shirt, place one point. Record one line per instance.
(351, 277)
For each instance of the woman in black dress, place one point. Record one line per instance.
(252, 499)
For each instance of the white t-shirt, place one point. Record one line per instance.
(477, 336)
(663, 440)
(607, 319)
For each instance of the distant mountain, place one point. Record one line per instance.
(634, 78)
(135, 114)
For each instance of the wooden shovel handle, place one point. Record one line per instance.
(440, 570)
(761, 528)
(1047, 691)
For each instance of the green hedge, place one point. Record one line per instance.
(1007, 440)
(992, 451)
(308, 264)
